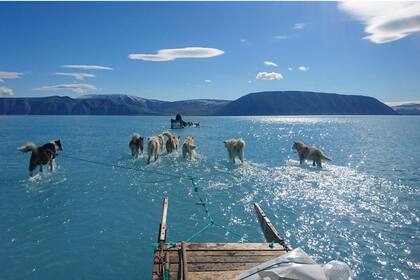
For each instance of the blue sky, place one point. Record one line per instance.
(326, 40)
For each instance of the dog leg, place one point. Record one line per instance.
(241, 157)
(32, 167)
(319, 163)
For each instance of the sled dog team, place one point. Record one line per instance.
(235, 147)
(46, 154)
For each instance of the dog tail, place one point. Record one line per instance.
(241, 142)
(325, 157)
(28, 147)
(167, 134)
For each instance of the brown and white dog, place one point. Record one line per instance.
(235, 148)
(309, 153)
(188, 148)
(136, 145)
(154, 147)
(172, 142)
(42, 155)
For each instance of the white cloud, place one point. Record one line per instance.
(303, 68)
(281, 37)
(399, 103)
(207, 81)
(269, 76)
(6, 91)
(385, 21)
(299, 25)
(270, 63)
(172, 54)
(9, 75)
(290, 69)
(87, 67)
(77, 76)
(78, 88)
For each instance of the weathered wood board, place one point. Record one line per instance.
(213, 261)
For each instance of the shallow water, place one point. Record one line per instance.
(97, 222)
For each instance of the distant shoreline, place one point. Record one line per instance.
(269, 103)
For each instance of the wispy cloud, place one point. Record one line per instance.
(385, 21)
(299, 25)
(269, 76)
(78, 88)
(6, 91)
(303, 68)
(270, 63)
(86, 67)
(207, 81)
(281, 37)
(290, 68)
(77, 76)
(9, 75)
(172, 54)
(242, 40)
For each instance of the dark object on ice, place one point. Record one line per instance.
(178, 122)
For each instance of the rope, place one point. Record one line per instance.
(202, 197)
(124, 167)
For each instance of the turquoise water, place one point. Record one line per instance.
(89, 221)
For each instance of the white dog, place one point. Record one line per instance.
(188, 148)
(235, 149)
(154, 147)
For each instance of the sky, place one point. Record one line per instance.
(219, 50)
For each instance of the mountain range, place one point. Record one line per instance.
(253, 104)
(406, 108)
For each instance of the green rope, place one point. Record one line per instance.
(124, 167)
(203, 200)
(198, 232)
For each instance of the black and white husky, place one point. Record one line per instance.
(41, 155)
(136, 145)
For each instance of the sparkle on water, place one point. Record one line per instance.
(97, 222)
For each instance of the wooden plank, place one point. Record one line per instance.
(235, 253)
(167, 263)
(225, 259)
(233, 246)
(215, 275)
(269, 231)
(163, 225)
(184, 262)
(203, 267)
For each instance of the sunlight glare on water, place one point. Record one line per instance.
(97, 222)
